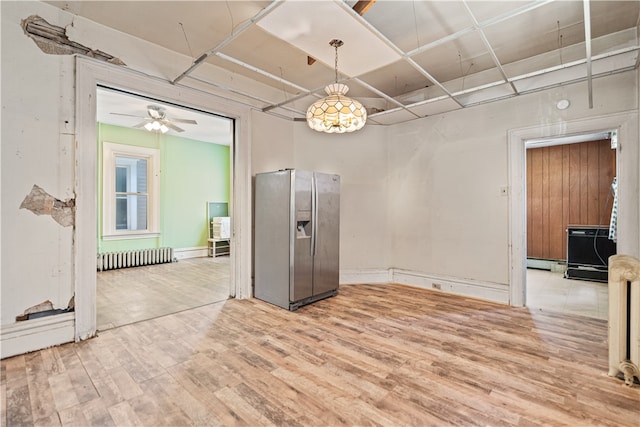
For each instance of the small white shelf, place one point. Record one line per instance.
(218, 247)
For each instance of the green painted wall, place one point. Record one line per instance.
(191, 174)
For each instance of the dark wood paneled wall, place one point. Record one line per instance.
(566, 185)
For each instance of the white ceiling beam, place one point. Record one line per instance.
(312, 92)
(260, 71)
(513, 13)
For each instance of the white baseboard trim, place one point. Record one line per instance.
(543, 264)
(186, 253)
(496, 292)
(36, 334)
(350, 277)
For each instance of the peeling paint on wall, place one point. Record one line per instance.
(53, 40)
(40, 202)
(44, 309)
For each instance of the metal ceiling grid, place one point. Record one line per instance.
(450, 55)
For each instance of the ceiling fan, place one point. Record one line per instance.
(158, 120)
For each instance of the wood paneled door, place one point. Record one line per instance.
(566, 185)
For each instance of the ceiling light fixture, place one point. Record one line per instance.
(336, 113)
(156, 125)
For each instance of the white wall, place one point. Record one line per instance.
(448, 218)
(37, 148)
(271, 143)
(360, 160)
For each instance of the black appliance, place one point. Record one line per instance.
(588, 252)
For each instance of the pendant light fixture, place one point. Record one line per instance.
(336, 113)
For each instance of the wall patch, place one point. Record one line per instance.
(40, 202)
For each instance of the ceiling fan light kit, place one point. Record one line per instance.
(157, 120)
(156, 125)
(336, 113)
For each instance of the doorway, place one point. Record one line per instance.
(569, 198)
(90, 75)
(152, 224)
(626, 125)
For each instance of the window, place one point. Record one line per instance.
(131, 182)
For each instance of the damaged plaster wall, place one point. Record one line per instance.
(40, 202)
(37, 147)
(53, 40)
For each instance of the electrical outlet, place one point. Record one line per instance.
(436, 286)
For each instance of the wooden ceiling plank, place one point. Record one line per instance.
(362, 6)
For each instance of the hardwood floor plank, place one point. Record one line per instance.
(156, 406)
(195, 410)
(250, 415)
(203, 392)
(96, 413)
(122, 414)
(41, 399)
(3, 394)
(19, 400)
(52, 420)
(64, 395)
(73, 416)
(374, 355)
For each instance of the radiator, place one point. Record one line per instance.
(624, 317)
(134, 258)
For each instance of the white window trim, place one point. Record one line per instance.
(110, 151)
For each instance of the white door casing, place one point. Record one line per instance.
(91, 73)
(627, 158)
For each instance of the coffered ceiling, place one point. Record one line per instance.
(402, 59)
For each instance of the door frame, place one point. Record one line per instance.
(91, 73)
(627, 160)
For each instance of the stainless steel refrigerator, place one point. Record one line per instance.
(297, 232)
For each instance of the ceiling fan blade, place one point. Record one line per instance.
(191, 122)
(142, 123)
(127, 115)
(172, 126)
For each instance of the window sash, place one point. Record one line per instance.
(134, 212)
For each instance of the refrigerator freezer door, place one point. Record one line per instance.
(273, 260)
(302, 283)
(327, 238)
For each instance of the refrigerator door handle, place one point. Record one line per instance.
(314, 215)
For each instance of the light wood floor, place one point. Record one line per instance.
(386, 355)
(130, 295)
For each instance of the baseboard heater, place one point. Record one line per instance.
(134, 258)
(624, 318)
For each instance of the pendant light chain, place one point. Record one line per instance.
(336, 43)
(336, 64)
